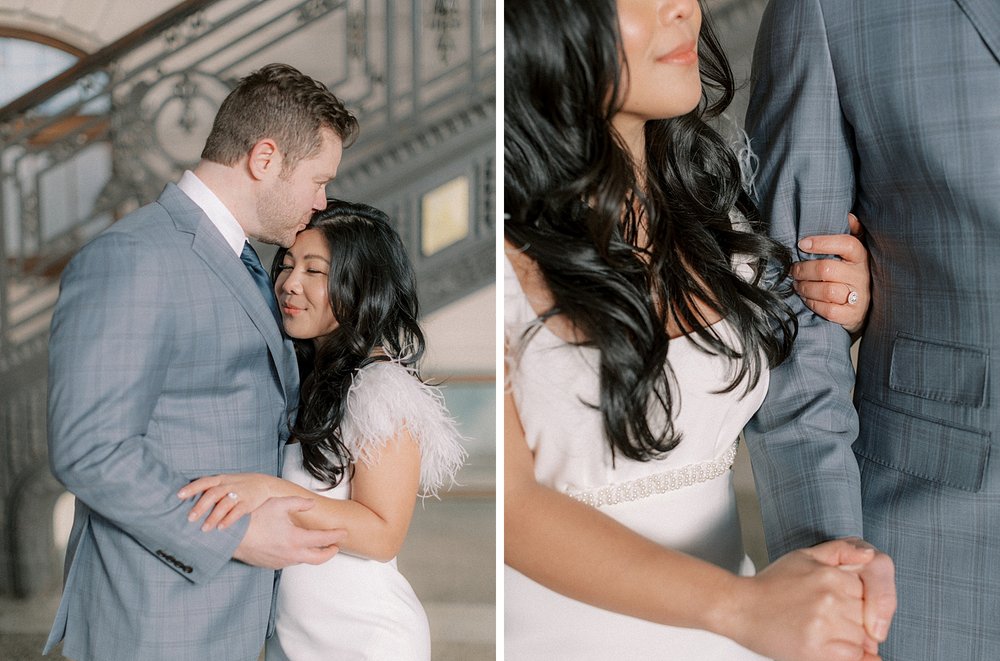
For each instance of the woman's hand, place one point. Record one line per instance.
(806, 606)
(836, 289)
(228, 496)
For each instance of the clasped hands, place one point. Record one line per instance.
(830, 602)
(273, 539)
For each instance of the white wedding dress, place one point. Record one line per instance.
(684, 501)
(351, 608)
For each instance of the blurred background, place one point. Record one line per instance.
(102, 102)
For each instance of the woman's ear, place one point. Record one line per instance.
(265, 159)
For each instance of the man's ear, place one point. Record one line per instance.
(265, 159)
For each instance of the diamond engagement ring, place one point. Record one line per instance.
(852, 298)
(233, 495)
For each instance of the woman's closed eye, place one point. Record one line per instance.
(308, 270)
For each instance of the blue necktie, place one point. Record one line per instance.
(252, 262)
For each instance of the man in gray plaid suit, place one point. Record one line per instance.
(166, 364)
(891, 109)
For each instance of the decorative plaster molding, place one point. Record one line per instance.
(467, 270)
(387, 151)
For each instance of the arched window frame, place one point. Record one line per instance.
(66, 126)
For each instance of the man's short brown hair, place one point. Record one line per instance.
(281, 103)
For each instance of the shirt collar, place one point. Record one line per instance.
(221, 217)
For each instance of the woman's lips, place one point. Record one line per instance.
(686, 53)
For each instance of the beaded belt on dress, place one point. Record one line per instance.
(659, 483)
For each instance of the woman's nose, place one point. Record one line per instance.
(674, 10)
(289, 284)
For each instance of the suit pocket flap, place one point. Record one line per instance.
(922, 447)
(938, 371)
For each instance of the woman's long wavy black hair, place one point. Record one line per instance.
(373, 293)
(574, 206)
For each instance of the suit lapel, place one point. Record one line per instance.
(985, 16)
(209, 245)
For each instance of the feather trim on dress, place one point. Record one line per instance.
(386, 398)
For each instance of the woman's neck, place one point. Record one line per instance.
(633, 133)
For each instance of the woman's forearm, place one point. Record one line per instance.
(368, 534)
(375, 519)
(584, 554)
(581, 553)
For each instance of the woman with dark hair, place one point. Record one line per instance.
(643, 310)
(368, 437)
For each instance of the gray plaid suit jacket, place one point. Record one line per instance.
(165, 364)
(891, 108)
